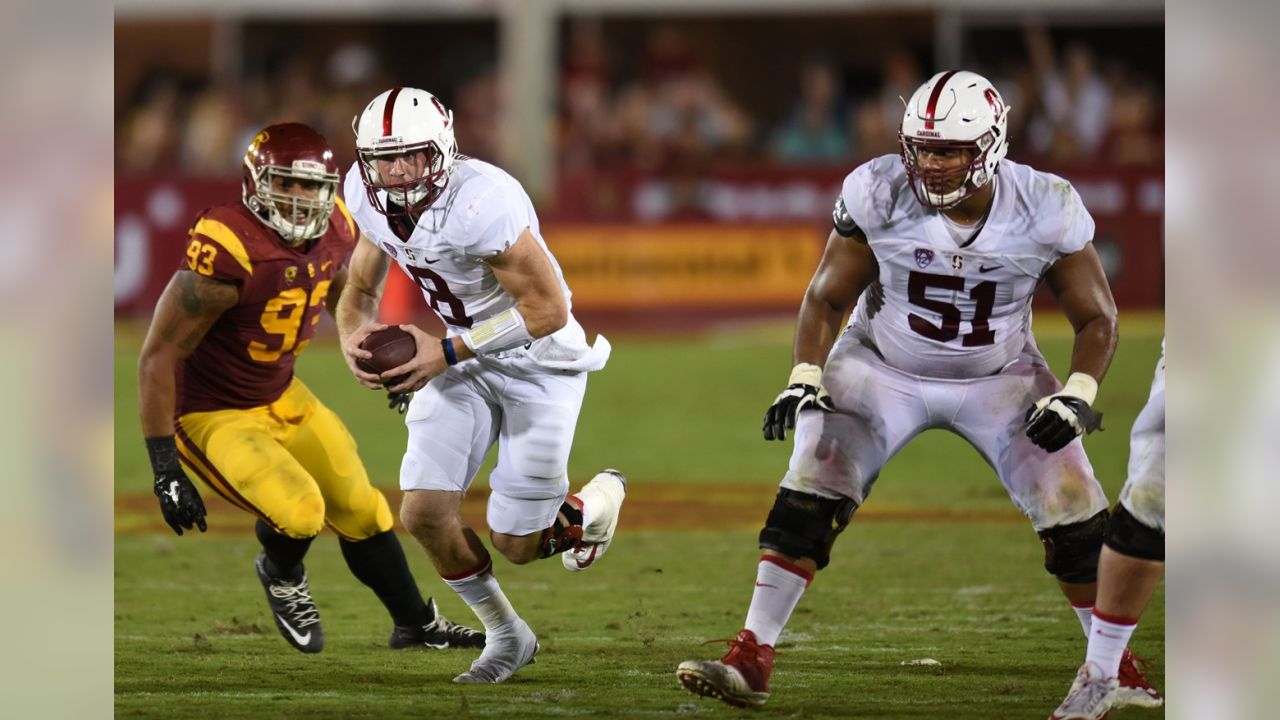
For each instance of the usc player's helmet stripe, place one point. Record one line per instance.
(933, 99)
(342, 208)
(226, 237)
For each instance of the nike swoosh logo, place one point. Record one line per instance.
(582, 565)
(984, 268)
(325, 265)
(173, 491)
(300, 639)
(431, 262)
(775, 587)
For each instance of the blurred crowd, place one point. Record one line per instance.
(668, 112)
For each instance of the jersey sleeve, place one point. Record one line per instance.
(1070, 226)
(861, 194)
(344, 224)
(216, 250)
(495, 226)
(353, 190)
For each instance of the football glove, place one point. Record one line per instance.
(1055, 420)
(180, 503)
(804, 391)
(399, 401)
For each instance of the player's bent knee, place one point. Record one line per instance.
(1129, 536)
(1071, 551)
(304, 518)
(363, 519)
(802, 525)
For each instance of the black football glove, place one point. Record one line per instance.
(1055, 420)
(398, 401)
(804, 391)
(180, 503)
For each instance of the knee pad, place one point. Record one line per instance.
(805, 526)
(1071, 551)
(304, 518)
(1128, 536)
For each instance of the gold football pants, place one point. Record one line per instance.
(291, 463)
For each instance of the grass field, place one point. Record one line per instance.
(937, 565)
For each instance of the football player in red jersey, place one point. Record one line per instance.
(218, 393)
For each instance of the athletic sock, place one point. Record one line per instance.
(1085, 613)
(379, 563)
(284, 554)
(779, 585)
(1107, 641)
(479, 589)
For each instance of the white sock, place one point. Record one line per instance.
(479, 589)
(779, 585)
(1107, 641)
(1085, 613)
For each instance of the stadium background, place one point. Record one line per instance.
(683, 158)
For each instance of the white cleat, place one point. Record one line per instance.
(505, 652)
(601, 500)
(1090, 697)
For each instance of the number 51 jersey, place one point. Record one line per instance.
(952, 301)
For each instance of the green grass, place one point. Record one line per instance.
(193, 638)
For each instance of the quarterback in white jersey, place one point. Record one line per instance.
(941, 249)
(511, 370)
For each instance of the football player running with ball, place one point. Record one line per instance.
(512, 369)
(219, 356)
(939, 250)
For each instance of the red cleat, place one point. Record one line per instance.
(740, 678)
(1135, 690)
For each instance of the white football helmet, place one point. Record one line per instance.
(404, 121)
(954, 110)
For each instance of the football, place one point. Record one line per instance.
(391, 348)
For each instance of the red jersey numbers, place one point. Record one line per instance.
(442, 299)
(283, 315)
(983, 294)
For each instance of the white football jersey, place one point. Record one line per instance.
(481, 213)
(954, 302)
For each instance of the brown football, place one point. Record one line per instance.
(391, 348)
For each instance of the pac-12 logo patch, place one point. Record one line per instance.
(923, 257)
(391, 249)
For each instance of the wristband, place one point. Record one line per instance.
(504, 331)
(806, 374)
(450, 355)
(163, 452)
(1081, 386)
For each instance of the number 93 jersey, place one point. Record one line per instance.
(952, 301)
(246, 359)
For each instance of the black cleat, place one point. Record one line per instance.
(292, 608)
(439, 634)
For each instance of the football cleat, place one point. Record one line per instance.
(1135, 690)
(601, 500)
(1090, 696)
(439, 634)
(293, 609)
(504, 654)
(740, 678)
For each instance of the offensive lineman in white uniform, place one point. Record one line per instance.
(1129, 571)
(512, 370)
(942, 248)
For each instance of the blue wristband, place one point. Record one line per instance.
(450, 356)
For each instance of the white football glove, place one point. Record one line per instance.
(1055, 420)
(804, 391)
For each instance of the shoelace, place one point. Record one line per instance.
(450, 628)
(1087, 694)
(298, 603)
(1137, 667)
(735, 643)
